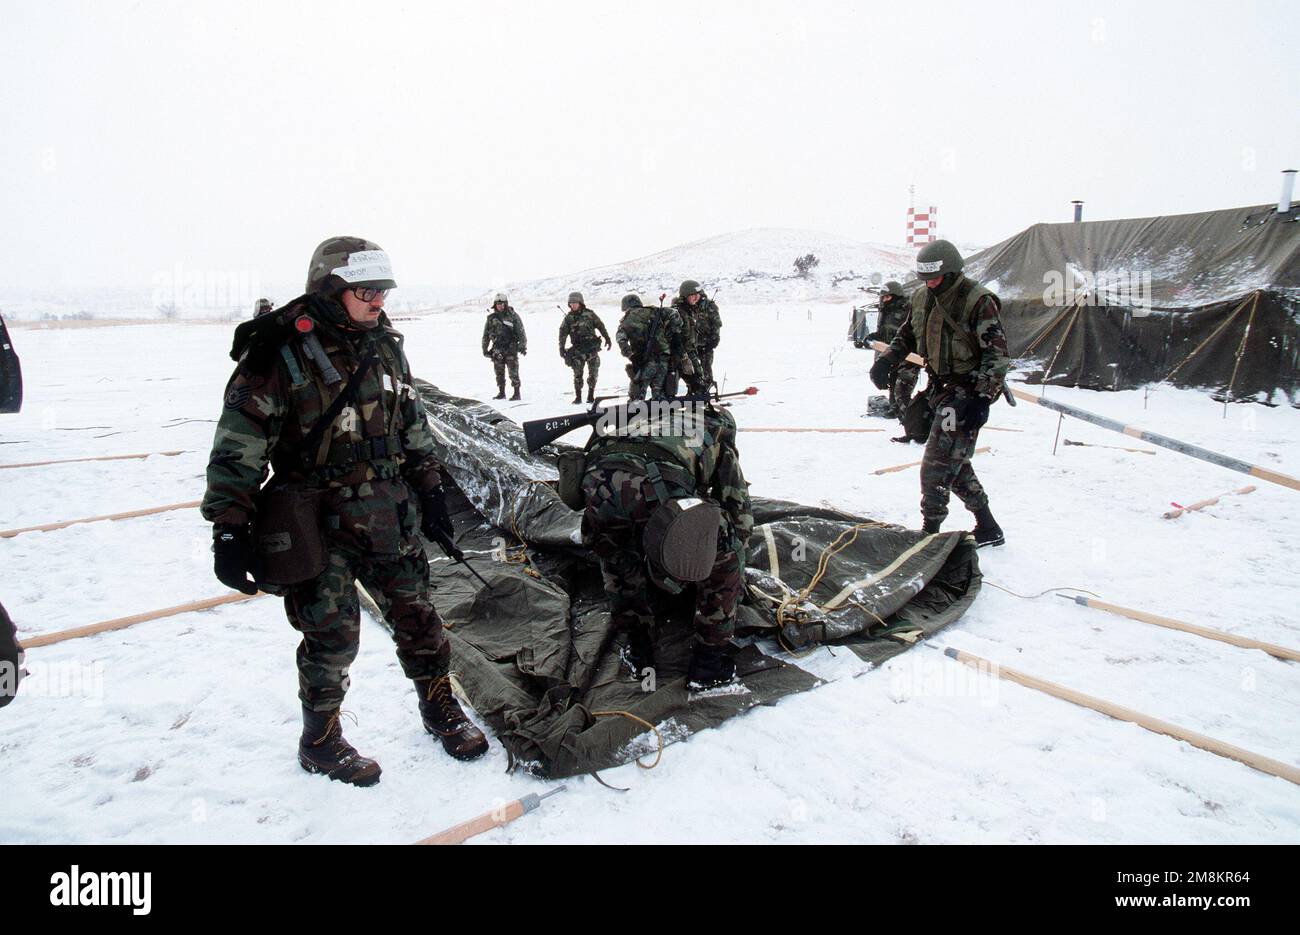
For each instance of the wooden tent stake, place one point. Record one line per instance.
(147, 454)
(130, 514)
(1245, 642)
(458, 834)
(903, 467)
(1200, 741)
(1202, 504)
(122, 623)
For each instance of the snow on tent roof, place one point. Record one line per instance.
(1206, 300)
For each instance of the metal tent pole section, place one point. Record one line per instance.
(496, 818)
(1132, 431)
(1110, 709)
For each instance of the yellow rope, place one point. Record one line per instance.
(658, 736)
(1213, 334)
(1048, 330)
(1241, 348)
(1048, 372)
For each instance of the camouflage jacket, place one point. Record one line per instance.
(701, 441)
(708, 325)
(504, 333)
(584, 329)
(374, 460)
(634, 331)
(980, 352)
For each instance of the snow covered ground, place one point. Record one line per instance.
(184, 729)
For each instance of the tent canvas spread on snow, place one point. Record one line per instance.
(535, 653)
(1207, 300)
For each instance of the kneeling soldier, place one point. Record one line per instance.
(323, 395)
(667, 507)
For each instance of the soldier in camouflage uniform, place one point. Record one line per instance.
(631, 474)
(687, 363)
(649, 338)
(505, 342)
(583, 329)
(378, 481)
(708, 334)
(894, 310)
(955, 326)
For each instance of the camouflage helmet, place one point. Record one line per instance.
(894, 287)
(502, 298)
(575, 297)
(262, 307)
(937, 259)
(688, 287)
(631, 300)
(342, 262)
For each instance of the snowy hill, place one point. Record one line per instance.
(751, 266)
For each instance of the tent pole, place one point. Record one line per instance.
(1173, 444)
(1213, 334)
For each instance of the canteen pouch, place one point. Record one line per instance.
(572, 465)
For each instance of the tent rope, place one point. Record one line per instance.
(658, 736)
(1241, 348)
(1213, 334)
(1048, 330)
(1032, 597)
(1065, 337)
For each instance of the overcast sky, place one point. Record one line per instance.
(485, 142)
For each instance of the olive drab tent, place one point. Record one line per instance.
(1205, 300)
(535, 653)
(11, 374)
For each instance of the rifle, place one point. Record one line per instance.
(454, 553)
(650, 337)
(541, 432)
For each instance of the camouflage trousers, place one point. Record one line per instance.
(902, 386)
(946, 465)
(326, 611)
(706, 364)
(502, 361)
(576, 361)
(619, 504)
(653, 376)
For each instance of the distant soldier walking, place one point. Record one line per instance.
(954, 324)
(708, 328)
(687, 363)
(583, 329)
(505, 342)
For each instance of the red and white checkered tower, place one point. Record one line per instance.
(921, 226)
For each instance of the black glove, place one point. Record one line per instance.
(972, 412)
(434, 518)
(523, 353)
(881, 370)
(858, 344)
(608, 344)
(234, 556)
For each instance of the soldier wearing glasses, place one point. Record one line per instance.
(375, 479)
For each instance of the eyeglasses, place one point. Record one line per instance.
(368, 294)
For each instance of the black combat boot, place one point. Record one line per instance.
(322, 749)
(501, 391)
(577, 392)
(987, 530)
(516, 396)
(591, 393)
(637, 653)
(710, 667)
(931, 526)
(443, 717)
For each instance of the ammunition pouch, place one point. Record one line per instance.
(288, 535)
(572, 465)
(917, 417)
(376, 448)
